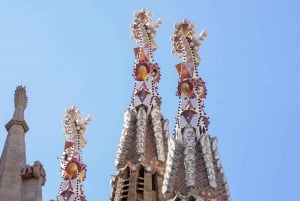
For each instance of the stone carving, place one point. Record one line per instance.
(166, 128)
(207, 155)
(125, 139)
(144, 29)
(26, 170)
(36, 170)
(20, 103)
(141, 130)
(189, 143)
(185, 38)
(175, 149)
(75, 125)
(219, 166)
(157, 127)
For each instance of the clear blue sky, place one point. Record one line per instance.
(79, 52)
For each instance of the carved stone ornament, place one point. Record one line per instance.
(20, 102)
(35, 171)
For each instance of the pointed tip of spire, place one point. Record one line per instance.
(146, 71)
(73, 123)
(20, 102)
(144, 29)
(20, 97)
(185, 42)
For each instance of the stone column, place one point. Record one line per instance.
(13, 156)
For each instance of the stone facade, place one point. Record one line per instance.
(139, 176)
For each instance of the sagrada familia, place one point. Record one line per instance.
(151, 165)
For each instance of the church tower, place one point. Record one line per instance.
(151, 166)
(142, 150)
(193, 171)
(19, 181)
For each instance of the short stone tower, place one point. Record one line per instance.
(18, 181)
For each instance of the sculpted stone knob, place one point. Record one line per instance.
(20, 103)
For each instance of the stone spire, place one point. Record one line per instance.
(141, 154)
(193, 170)
(73, 170)
(19, 181)
(20, 101)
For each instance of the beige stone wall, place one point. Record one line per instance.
(32, 190)
(12, 161)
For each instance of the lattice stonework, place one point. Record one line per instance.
(192, 143)
(73, 169)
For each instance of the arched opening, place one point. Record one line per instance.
(140, 183)
(154, 182)
(125, 184)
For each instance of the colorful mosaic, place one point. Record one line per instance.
(191, 89)
(72, 168)
(146, 71)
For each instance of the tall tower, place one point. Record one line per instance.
(19, 181)
(193, 171)
(142, 151)
(72, 167)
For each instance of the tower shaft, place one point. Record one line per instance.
(13, 159)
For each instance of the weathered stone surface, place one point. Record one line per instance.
(18, 181)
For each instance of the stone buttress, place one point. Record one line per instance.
(193, 171)
(142, 151)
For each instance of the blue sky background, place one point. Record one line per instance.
(79, 52)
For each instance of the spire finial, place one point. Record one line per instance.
(146, 71)
(20, 102)
(191, 88)
(72, 168)
(185, 42)
(144, 29)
